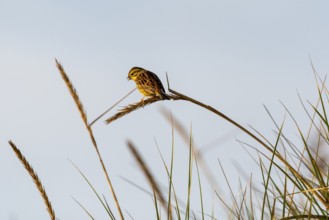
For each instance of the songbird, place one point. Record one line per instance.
(147, 83)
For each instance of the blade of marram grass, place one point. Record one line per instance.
(322, 117)
(156, 205)
(270, 169)
(83, 115)
(178, 211)
(242, 202)
(131, 217)
(226, 205)
(194, 216)
(235, 203)
(252, 213)
(265, 197)
(136, 186)
(108, 207)
(189, 185)
(171, 169)
(287, 202)
(284, 196)
(312, 119)
(36, 180)
(84, 209)
(325, 120)
(273, 210)
(200, 188)
(94, 190)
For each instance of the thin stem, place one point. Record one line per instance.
(109, 109)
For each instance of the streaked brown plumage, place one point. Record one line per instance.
(147, 82)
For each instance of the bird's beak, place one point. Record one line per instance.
(128, 78)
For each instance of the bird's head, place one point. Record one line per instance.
(133, 73)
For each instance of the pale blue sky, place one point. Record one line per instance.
(235, 55)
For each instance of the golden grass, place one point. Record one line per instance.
(72, 91)
(83, 114)
(35, 178)
(132, 107)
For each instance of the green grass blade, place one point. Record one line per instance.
(200, 188)
(94, 190)
(189, 185)
(86, 211)
(171, 168)
(156, 205)
(270, 169)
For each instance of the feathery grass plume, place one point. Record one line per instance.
(91, 135)
(147, 173)
(35, 178)
(73, 92)
(132, 107)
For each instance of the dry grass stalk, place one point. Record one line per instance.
(73, 92)
(147, 173)
(132, 107)
(90, 132)
(109, 109)
(35, 178)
